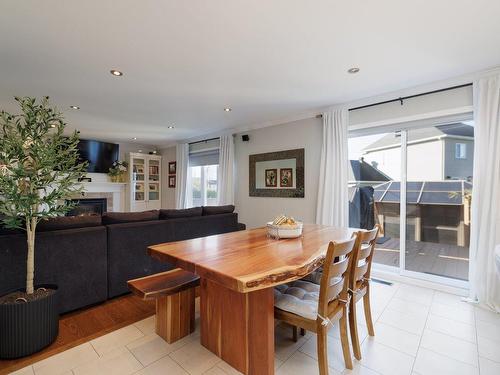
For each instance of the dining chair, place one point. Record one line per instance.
(359, 284)
(314, 307)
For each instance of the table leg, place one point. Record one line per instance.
(175, 315)
(239, 327)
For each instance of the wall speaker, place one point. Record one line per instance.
(245, 137)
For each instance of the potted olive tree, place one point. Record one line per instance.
(39, 171)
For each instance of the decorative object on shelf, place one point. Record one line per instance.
(172, 167)
(118, 172)
(284, 227)
(38, 156)
(266, 169)
(171, 181)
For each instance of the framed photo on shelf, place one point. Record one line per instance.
(172, 167)
(171, 181)
(154, 170)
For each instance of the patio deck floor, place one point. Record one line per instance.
(427, 257)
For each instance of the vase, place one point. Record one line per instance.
(28, 327)
(122, 177)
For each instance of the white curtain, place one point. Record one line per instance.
(182, 188)
(333, 203)
(485, 226)
(225, 180)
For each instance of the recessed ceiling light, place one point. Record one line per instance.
(135, 138)
(227, 109)
(139, 150)
(74, 107)
(116, 73)
(170, 127)
(353, 71)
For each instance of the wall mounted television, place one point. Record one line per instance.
(100, 155)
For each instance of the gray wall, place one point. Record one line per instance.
(168, 194)
(458, 168)
(256, 211)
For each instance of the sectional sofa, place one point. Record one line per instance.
(90, 258)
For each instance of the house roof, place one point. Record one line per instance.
(449, 192)
(393, 139)
(362, 171)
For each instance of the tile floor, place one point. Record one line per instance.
(418, 332)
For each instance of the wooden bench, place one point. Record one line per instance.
(174, 292)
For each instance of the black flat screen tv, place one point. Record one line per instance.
(100, 155)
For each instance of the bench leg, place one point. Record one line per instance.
(175, 315)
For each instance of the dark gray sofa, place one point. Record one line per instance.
(92, 264)
(127, 244)
(74, 259)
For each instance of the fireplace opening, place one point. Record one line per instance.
(88, 207)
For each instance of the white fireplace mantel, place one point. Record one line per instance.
(104, 187)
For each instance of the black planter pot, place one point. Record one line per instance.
(28, 327)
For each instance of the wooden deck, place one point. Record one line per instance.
(427, 257)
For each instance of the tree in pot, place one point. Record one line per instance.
(39, 171)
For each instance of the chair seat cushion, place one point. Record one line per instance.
(300, 298)
(314, 277)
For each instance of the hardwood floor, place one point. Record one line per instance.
(81, 326)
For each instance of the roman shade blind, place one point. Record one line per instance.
(204, 153)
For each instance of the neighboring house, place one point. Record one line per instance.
(434, 154)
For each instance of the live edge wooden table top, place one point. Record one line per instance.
(238, 271)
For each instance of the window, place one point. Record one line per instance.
(204, 185)
(203, 172)
(460, 151)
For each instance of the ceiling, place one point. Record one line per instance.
(185, 61)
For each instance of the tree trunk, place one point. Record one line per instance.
(30, 264)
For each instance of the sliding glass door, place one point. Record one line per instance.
(374, 180)
(439, 173)
(416, 183)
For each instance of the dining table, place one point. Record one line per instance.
(238, 272)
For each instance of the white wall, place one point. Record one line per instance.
(256, 211)
(168, 194)
(445, 100)
(125, 148)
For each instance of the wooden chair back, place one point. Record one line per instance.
(334, 283)
(364, 251)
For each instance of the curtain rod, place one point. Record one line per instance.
(401, 99)
(204, 141)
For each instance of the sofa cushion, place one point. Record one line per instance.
(176, 214)
(69, 222)
(109, 218)
(217, 210)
